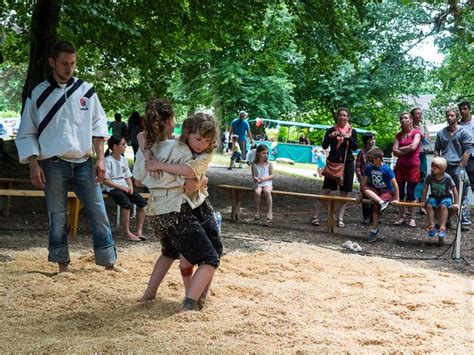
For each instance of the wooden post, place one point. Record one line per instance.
(73, 208)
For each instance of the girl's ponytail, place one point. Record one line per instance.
(113, 140)
(157, 113)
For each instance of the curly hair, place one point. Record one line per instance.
(203, 124)
(157, 113)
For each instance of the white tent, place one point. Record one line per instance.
(434, 129)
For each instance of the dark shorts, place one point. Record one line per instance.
(347, 183)
(125, 200)
(190, 233)
(236, 156)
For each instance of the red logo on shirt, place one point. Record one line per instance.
(84, 103)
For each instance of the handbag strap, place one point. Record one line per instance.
(344, 165)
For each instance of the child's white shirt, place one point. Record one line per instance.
(117, 171)
(167, 193)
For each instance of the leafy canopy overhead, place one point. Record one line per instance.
(277, 59)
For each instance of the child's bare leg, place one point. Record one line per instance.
(201, 279)
(267, 190)
(186, 269)
(372, 195)
(125, 216)
(443, 216)
(375, 219)
(161, 268)
(140, 221)
(430, 215)
(258, 192)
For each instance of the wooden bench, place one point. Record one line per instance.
(9, 183)
(73, 204)
(237, 192)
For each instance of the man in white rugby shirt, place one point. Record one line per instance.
(62, 121)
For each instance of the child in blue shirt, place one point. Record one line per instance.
(379, 184)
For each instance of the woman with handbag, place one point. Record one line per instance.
(426, 147)
(339, 169)
(406, 148)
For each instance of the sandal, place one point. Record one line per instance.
(315, 221)
(412, 223)
(269, 217)
(340, 223)
(400, 222)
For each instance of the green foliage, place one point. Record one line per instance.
(296, 60)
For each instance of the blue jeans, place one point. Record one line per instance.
(60, 177)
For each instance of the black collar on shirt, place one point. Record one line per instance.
(55, 83)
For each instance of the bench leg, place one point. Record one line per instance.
(73, 207)
(5, 200)
(331, 222)
(5, 205)
(236, 198)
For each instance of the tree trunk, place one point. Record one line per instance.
(44, 23)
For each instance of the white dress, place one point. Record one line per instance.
(262, 170)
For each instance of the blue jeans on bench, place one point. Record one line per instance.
(60, 177)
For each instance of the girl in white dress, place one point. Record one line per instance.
(262, 174)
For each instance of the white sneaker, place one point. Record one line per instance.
(347, 245)
(384, 205)
(355, 247)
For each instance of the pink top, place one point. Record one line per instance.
(413, 158)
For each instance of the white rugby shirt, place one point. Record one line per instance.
(69, 133)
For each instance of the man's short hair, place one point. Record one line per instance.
(375, 153)
(61, 47)
(118, 116)
(243, 113)
(464, 103)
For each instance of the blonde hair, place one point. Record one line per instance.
(203, 124)
(157, 114)
(441, 163)
(453, 109)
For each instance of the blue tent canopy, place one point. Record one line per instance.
(300, 124)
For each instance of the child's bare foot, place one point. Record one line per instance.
(63, 268)
(115, 268)
(146, 297)
(185, 310)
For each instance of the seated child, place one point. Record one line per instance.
(378, 184)
(118, 185)
(368, 139)
(236, 153)
(443, 191)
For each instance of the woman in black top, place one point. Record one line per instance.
(342, 140)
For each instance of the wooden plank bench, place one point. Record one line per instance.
(74, 205)
(237, 192)
(9, 183)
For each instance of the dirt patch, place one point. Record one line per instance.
(285, 287)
